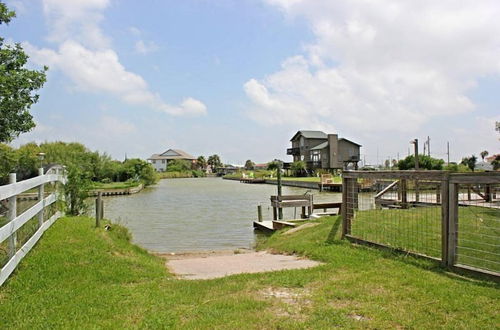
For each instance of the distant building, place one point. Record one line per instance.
(324, 151)
(160, 161)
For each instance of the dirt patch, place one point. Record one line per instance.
(287, 302)
(304, 226)
(194, 267)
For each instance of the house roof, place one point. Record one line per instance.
(342, 139)
(172, 154)
(310, 135)
(320, 146)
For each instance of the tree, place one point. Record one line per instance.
(496, 163)
(249, 165)
(178, 165)
(17, 86)
(298, 168)
(201, 163)
(8, 161)
(76, 190)
(274, 165)
(28, 161)
(425, 162)
(470, 162)
(214, 162)
(483, 154)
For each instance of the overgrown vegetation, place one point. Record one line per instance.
(94, 166)
(424, 162)
(82, 277)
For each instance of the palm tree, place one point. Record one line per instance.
(484, 154)
(201, 163)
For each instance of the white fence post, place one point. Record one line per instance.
(11, 216)
(41, 197)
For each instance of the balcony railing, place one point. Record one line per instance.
(314, 164)
(293, 151)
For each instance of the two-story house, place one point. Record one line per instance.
(324, 151)
(160, 161)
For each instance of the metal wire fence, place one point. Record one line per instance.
(478, 241)
(431, 213)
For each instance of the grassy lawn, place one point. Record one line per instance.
(419, 230)
(114, 185)
(81, 277)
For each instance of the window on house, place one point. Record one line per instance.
(153, 161)
(163, 161)
(316, 155)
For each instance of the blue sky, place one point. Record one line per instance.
(238, 78)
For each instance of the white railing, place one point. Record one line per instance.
(8, 232)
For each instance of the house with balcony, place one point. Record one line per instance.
(160, 161)
(324, 151)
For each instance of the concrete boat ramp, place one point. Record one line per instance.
(215, 265)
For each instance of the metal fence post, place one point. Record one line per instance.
(11, 216)
(41, 195)
(452, 223)
(444, 220)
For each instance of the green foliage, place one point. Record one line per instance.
(214, 162)
(298, 168)
(28, 161)
(198, 174)
(425, 163)
(249, 165)
(454, 167)
(496, 163)
(201, 163)
(76, 190)
(483, 154)
(178, 165)
(137, 169)
(470, 162)
(17, 85)
(8, 161)
(273, 166)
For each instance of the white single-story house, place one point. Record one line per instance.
(160, 161)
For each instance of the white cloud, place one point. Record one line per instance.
(145, 47)
(135, 31)
(384, 65)
(85, 56)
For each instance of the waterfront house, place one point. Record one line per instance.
(324, 151)
(160, 161)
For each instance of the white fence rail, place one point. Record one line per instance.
(8, 232)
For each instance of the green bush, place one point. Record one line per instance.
(424, 162)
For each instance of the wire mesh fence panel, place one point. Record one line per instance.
(399, 213)
(478, 232)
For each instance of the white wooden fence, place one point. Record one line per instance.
(15, 221)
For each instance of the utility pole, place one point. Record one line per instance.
(415, 143)
(428, 146)
(448, 152)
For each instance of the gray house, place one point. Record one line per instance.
(324, 151)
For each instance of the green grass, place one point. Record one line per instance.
(82, 277)
(115, 185)
(419, 230)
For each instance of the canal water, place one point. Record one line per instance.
(181, 215)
